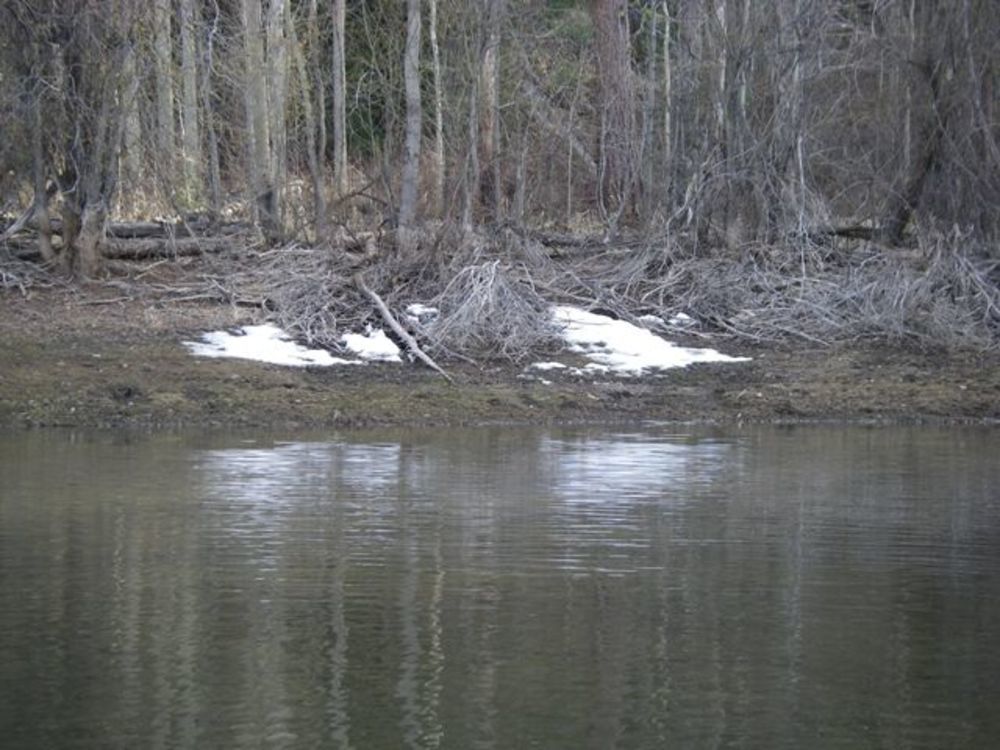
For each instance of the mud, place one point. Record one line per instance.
(83, 358)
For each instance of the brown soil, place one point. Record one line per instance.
(82, 358)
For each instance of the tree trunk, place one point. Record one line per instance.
(133, 125)
(645, 160)
(411, 159)
(87, 261)
(313, 157)
(164, 68)
(255, 98)
(437, 195)
(616, 106)
(470, 185)
(190, 132)
(905, 200)
(489, 110)
(316, 69)
(339, 98)
(40, 169)
(277, 98)
(668, 103)
(208, 109)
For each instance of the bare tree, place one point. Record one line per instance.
(166, 140)
(339, 97)
(277, 99)
(314, 156)
(489, 109)
(617, 130)
(255, 98)
(414, 116)
(437, 195)
(190, 130)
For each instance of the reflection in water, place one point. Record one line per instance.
(502, 588)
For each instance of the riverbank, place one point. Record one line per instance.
(84, 359)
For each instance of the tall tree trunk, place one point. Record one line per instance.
(39, 164)
(470, 185)
(255, 97)
(414, 114)
(489, 110)
(133, 124)
(616, 106)
(668, 103)
(166, 142)
(649, 194)
(277, 99)
(437, 194)
(313, 157)
(339, 98)
(208, 109)
(933, 70)
(190, 132)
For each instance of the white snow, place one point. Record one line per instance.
(263, 343)
(419, 313)
(610, 345)
(682, 319)
(619, 346)
(373, 345)
(547, 366)
(268, 343)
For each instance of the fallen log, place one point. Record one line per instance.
(145, 249)
(403, 334)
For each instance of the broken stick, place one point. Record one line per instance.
(388, 317)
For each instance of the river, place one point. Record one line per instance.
(796, 587)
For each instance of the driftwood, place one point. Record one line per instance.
(391, 321)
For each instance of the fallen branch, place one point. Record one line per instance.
(19, 224)
(391, 321)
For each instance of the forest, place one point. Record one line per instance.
(798, 170)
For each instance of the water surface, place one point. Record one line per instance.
(592, 588)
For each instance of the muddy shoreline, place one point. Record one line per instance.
(84, 359)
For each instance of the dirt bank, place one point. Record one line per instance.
(84, 358)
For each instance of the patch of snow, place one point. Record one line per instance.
(422, 314)
(682, 320)
(263, 343)
(651, 321)
(547, 366)
(619, 346)
(372, 346)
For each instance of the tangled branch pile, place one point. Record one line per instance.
(493, 291)
(940, 294)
